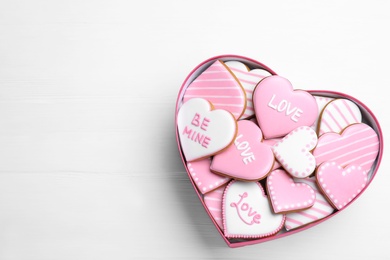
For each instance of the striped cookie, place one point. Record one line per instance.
(220, 87)
(357, 144)
(337, 115)
(248, 79)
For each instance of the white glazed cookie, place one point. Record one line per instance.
(203, 131)
(247, 212)
(294, 152)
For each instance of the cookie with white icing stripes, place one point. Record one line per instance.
(357, 144)
(337, 115)
(218, 85)
(248, 79)
(321, 103)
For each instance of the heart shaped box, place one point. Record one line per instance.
(367, 117)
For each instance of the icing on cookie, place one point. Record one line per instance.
(321, 103)
(319, 210)
(203, 131)
(337, 115)
(247, 158)
(213, 201)
(280, 109)
(294, 152)
(203, 178)
(219, 86)
(287, 195)
(357, 144)
(341, 185)
(248, 79)
(247, 213)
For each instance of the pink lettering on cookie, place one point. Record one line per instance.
(203, 131)
(197, 137)
(246, 209)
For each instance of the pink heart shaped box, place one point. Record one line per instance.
(368, 118)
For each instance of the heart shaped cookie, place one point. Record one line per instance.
(247, 213)
(249, 159)
(341, 185)
(280, 109)
(202, 130)
(287, 195)
(294, 152)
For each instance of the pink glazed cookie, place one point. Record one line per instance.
(286, 195)
(294, 152)
(247, 158)
(203, 131)
(247, 213)
(280, 109)
(248, 79)
(357, 144)
(341, 185)
(337, 115)
(218, 85)
(203, 178)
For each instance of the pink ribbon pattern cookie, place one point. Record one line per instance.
(248, 79)
(320, 209)
(219, 86)
(247, 213)
(286, 195)
(213, 201)
(203, 178)
(247, 158)
(280, 109)
(337, 115)
(202, 131)
(341, 185)
(357, 144)
(294, 152)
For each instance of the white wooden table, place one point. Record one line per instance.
(89, 167)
